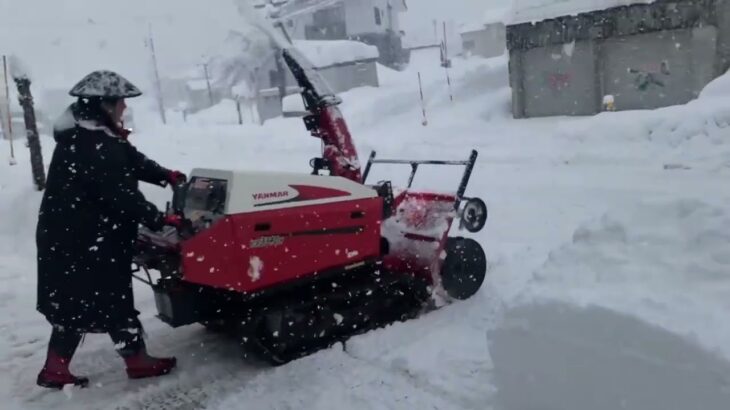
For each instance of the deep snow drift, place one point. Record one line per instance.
(623, 217)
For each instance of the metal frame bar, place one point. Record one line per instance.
(469, 164)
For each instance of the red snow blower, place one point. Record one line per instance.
(292, 263)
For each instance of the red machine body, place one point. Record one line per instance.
(291, 263)
(250, 252)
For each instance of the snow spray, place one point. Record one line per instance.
(12, 160)
(423, 102)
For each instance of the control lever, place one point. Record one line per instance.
(177, 207)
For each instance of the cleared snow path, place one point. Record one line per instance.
(559, 356)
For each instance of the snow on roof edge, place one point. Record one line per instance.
(326, 53)
(532, 11)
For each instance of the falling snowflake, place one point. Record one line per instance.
(255, 265)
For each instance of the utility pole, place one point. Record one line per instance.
(158, 86)
(207, 82)
(9, 129)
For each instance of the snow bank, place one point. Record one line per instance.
(526, 11)
(327, 53)
(652, 260)
(717, 88)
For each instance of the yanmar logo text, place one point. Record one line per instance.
(270, 195)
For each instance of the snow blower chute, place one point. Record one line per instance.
(292, 263)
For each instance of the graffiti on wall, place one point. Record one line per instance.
(558, 81)
(650, 75)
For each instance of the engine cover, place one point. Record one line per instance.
(267, 229)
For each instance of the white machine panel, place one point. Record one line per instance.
(262, 191)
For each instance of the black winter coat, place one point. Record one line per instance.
(87, 227)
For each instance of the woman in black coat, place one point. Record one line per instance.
(87, 227)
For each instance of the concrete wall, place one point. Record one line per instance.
(642, 71)
(560, 80)
(657, 69)
(646, 56)
(722, 14)
(489, 42)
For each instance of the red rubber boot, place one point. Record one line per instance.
(55, 373)
(142, 365)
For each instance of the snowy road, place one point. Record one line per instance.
(549, 184)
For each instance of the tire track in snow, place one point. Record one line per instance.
(468, 386)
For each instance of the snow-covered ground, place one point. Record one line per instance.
(608, 242)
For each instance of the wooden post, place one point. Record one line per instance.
(238, 109)
(36, 155)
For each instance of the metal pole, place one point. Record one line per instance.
(9, 116)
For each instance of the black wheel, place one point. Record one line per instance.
(475, 215)
(464, 269)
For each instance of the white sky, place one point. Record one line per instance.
(63, 40)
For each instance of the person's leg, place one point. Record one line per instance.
(130, 344)
(61, 348)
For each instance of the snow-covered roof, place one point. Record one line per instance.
(527, 11)
(323, 53)
(294, 8)
(472, 27)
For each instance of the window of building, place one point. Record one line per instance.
(378, 17)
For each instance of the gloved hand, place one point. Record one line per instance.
(174, 220)
(176, 177)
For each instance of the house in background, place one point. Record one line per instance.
(343, 65)
(573, 60)
(254, 74)
(374, 22)
(487, 38)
